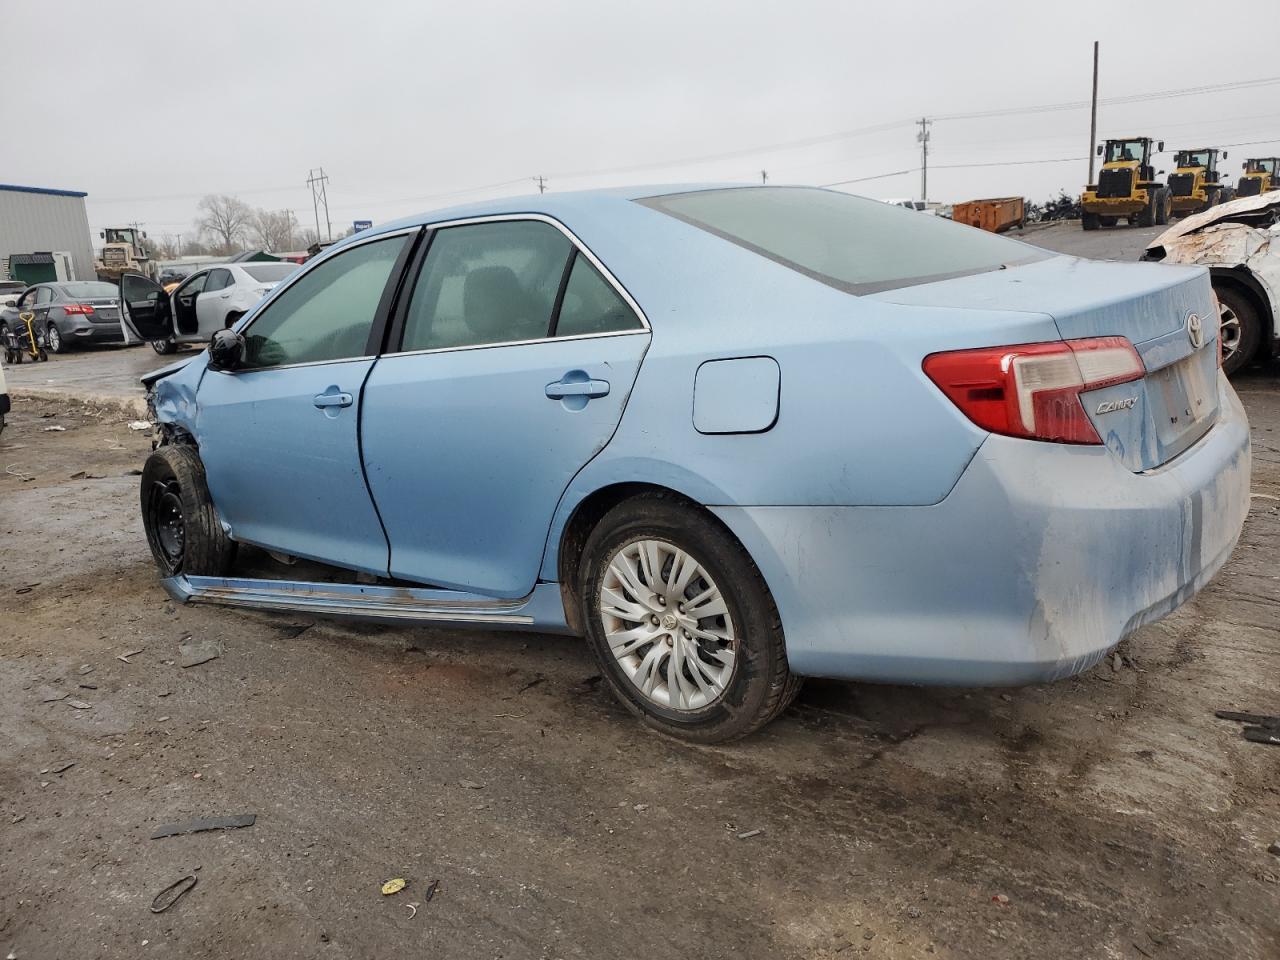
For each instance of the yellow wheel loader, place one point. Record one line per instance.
(1127, 187)
(1260, 175)
(1196, 184)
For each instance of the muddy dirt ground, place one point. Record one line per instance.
(1117, 816)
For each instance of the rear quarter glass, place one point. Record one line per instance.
(854, 244)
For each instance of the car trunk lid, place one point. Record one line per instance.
(1147, 422)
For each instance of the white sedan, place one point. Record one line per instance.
(213, 299)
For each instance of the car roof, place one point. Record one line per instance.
(555, 205)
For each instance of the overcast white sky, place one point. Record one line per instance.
(411, 105)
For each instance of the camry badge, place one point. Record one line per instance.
(1110, 406)
(1195, 330)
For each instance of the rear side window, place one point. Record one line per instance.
(591, 305)
(851, 243)
(326, 314)
(218, 279)
(487, 283)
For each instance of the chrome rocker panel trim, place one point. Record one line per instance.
(541, 610)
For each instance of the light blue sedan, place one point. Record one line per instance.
(732, 435)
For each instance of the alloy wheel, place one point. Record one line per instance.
(667, 625)
(1229, 331)
(54, 338)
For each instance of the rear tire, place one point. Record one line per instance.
(744, 682)
(181, 522)
(1164, 206)
(1239, 327)
(53, 337)
(163, 347)
(1089, 221)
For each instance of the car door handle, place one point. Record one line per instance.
(577, 388)
(323, 400)
(225, 296)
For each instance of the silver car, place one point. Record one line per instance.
(70, 313)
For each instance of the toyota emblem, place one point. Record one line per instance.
(1195, 331)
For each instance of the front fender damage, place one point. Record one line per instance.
(171, 399)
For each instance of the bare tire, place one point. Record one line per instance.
(1239, 327)
(682, 623)
(181, 523)
(164, 347)
(1147, 216)
(1164, 206)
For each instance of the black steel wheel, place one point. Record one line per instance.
(182, 525)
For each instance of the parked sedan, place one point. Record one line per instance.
(206, 301)
(70, 313)
(734, 436)
(1239, 242)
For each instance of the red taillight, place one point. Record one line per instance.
(1033, 390)
(77, 308)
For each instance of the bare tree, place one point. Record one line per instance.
(224, 220)
(274, 229)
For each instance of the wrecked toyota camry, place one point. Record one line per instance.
(732, 435)
(1239, 242)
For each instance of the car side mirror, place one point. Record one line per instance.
(1224, 154)
(1160, 147)
(1159, 173)
(1099, 149)
(226, 350)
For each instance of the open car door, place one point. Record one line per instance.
(145, 308)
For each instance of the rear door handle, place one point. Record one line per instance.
(323, 400)
(577, 388)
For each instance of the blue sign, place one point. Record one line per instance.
(359, 225)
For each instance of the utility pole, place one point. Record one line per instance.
(179, 246)
(764, 176)
(1093, 114)
(541, 181)
(320, 197)
(923, 137)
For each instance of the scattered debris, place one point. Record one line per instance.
(1259, 728)
(192, 653)
(393, 886)
(640, 807)
(55, 429)
(1274, 849)
(1264, 496)
(205, 823)
(132, 653)
(413, 907)
(470, 785)
(60, 768)
(171, 894)
(1117, 663)
(85, 475)
(748, 834)
(431, 891)
(78, 705)
(19, 818)
(17, 473)
(139, 424)
(532, 683)
(84, 669)
(56, 699)
(87, 686)
(1001, 899)
(508, 716)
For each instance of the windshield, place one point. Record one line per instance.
(90, 289)
(851, 243)
(1124, 150)
(268, 272)
(1193, 158)
(1261, 166)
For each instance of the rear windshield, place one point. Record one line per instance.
(268, 272)
(89, 290)
(853, 244)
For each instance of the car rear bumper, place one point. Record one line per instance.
(95, 333)
(1038, 562)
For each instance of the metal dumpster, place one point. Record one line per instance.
(997, 214)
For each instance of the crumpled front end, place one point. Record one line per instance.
(171, 396)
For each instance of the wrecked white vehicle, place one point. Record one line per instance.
(1240, 244)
